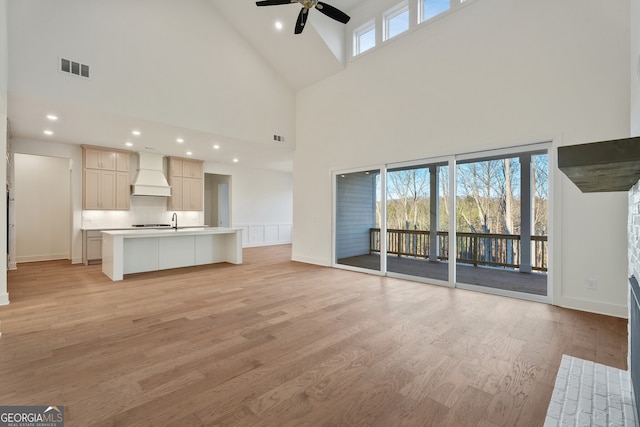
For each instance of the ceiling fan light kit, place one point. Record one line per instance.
(324, 8)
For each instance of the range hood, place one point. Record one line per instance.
(150, 179)
(602, 166)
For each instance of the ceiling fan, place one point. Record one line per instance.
(327, 9)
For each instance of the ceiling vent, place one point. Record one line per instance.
(72, 67)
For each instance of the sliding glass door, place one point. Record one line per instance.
(502, 222)
(417, 220)
(358, 214)
(476, 221)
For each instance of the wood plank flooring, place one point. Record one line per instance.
(278, 343)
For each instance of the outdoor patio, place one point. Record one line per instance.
(491, 277)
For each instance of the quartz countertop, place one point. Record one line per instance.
(110, 228)
(164, 231)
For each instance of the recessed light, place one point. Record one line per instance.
(235, 160)
(189, 153)
(216, 147)
(179, 140)
(48, 132)
(52, 117)
(135, 132)
(129, 144)
(278, 25)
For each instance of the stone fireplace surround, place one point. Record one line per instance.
(586, 393)
(590, 394)
(633, 225)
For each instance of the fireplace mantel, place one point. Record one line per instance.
(602, 166)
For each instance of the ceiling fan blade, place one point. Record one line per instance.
(274, 2)
(332, 12)
(302, 19)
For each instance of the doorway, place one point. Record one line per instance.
(43, 217)
(217, 200)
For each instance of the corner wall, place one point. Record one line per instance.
(4, 75)
(493, 74)
(261, 203)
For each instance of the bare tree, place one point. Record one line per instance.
(408, 189)
(480, 181)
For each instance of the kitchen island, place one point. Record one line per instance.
(136, 251)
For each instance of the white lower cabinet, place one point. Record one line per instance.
(92, 253)
(142, 255)
(135, 251)
(176, 252)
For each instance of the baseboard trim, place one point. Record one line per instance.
(596, 307)
(37, 258)
(4, 298)
(259, 245)
(310, 260)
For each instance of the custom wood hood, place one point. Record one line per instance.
(150, 179)
(602, 166)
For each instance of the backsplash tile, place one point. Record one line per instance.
(143, 210)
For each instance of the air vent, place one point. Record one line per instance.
(278, 138)
(73, 67)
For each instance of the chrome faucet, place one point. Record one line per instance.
(174, 220)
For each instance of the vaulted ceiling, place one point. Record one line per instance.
(238, 104)
(301, 59)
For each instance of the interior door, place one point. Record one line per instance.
(223, 204)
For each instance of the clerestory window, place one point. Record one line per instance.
(396, 20)
(364, 38)
(433, 8)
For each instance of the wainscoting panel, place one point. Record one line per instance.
(265, 234)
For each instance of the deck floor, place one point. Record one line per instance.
(497, 278)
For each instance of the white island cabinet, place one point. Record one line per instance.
(136, 251)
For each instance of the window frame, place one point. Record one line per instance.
(421, 19)
(394, 12)
(359, 32)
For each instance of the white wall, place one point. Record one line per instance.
(74, 154)
(4, 66)
(4, 55)
(43, 208)
(493, 74)
(149, 60)
(261, 203)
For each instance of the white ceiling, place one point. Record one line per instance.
(92, 127)
(300, 60)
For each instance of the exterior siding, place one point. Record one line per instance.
(355, 213)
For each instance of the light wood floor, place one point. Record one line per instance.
(278, 343)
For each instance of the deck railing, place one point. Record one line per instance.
(498, 250)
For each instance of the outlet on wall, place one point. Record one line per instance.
(592, 284)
